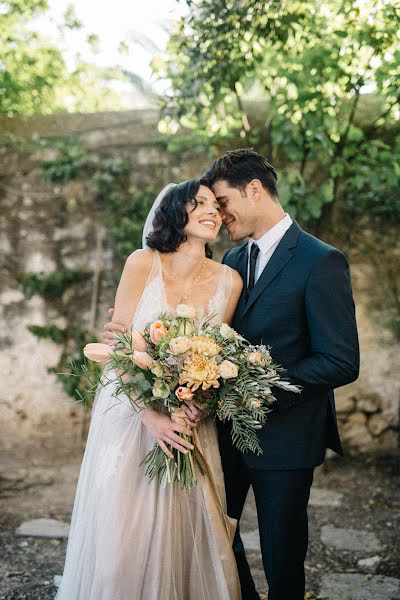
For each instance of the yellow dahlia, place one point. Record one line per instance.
(204, 345)
(199, 371)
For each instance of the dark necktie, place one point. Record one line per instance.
(254, 252)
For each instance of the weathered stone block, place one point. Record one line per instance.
(353, 586)
(377, 424)
(350, 539)
(369, 404)
(344, 404)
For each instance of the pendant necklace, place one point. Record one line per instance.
(188, 291)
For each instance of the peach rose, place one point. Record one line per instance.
(97, 352)
(142, 359)
(180, 345)
(138, 341)
(255, 358)
(227, 369)
(184, 394)
(157, 331)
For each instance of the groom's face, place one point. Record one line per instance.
(238, 210)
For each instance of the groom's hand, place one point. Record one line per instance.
(110, 329)
(195, 414)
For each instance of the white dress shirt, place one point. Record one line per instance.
(267, 244)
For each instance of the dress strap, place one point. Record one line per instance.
(227, 282)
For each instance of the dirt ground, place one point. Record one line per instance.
(371, 502)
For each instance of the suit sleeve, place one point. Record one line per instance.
(224, 260)
(334, 350)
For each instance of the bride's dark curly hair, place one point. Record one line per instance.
(171, 217)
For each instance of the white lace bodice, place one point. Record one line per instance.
(154, 301)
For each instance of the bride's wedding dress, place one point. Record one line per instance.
(132, 539)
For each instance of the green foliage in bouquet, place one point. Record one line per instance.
(184, 358)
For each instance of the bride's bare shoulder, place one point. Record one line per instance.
(141, 258)
(140, 261)
(236, 278)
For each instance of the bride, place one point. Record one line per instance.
(132, 539)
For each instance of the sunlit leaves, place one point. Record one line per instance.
(310, 62)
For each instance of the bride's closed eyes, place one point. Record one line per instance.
(197, 203)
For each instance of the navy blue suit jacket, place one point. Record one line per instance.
(302, 307)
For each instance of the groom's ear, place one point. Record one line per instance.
(255, 189)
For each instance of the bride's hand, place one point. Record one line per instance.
(110, 329)
(163, 430)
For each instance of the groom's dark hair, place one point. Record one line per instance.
(239, 167)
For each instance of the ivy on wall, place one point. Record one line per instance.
(123, 207)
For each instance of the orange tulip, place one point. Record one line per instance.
(157, 331)
(184, 393)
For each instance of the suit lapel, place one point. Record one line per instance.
(281, 256)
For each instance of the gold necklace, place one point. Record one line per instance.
(188, 290)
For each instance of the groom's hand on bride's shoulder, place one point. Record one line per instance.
(110, 329)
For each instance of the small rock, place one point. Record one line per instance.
(353, 586)
(370, 564)
(47, 528)
(350, 539)
(321, 497)
(57, 580)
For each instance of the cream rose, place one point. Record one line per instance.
(184, 394)
(138, 341)
(157, 331)
(256, 404)
(227, 369)
(97, 352)
(227, 332)
(142, 360)
(180, 345)
(186, 311)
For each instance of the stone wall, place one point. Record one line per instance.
(46, 226)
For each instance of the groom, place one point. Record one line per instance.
(297, 299)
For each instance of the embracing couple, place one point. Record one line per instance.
(135, 540)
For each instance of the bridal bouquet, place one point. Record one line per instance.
(183, 359)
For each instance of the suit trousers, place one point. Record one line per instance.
(281, 500)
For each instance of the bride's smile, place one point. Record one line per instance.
(204, 218)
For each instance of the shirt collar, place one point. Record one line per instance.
(273, 235)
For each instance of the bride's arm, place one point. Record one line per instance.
(237, 286)
(130, 288)
(133, 280)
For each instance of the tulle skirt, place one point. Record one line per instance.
(132, 539)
